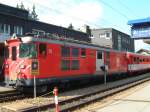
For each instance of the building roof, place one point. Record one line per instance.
(8, 10)
(139, 21)
(112, 29)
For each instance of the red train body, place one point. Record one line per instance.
(53, 60)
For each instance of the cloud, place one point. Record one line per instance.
(78, 14)
(64, 12)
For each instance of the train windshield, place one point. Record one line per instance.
(28, 50)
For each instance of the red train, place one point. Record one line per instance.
(57, 60)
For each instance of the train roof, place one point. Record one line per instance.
(137, 54)
(62, 41)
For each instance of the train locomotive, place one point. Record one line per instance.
(55, 60)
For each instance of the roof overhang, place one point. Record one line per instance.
(139, 21)
(146, 41)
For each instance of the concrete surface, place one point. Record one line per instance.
(5, 89)
(138, 101)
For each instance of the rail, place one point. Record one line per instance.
(78, 101)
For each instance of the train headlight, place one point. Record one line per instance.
(35, 67)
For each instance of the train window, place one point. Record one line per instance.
(65, 65)
(27, 50)
(75, 65)
(99, 55)
(42, 49)
(138, 60)
(75, 52)
(134, 59)
(65, 51)
(6, 52)
(14, 53)
(83, 52)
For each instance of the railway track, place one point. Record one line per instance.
(92, 96)
(11, 96)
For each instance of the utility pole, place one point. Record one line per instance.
(34, 87)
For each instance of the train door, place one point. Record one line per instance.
(43, 57)
(99, 62)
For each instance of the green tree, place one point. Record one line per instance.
(33, 13)
(88, 30)
(70, 26)
(22, 6)
(17, 6)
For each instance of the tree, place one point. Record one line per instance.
(70, 26)
(33, 13)
(22, 6)
(17, 6)
(88, 30)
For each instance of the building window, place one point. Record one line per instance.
(65, 51)
(4, 28)
(75, 65)
(108, 35)
(18, 30)
(75, 52)
(42, 49)
(65, 65)
(83, 52)
(1, 28)
(14, 52)
(102, 35)
(119, 42)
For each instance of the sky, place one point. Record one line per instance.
(95, 13)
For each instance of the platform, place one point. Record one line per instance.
(17, 107)
(137, 101)
(6, 89)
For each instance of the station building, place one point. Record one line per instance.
(140, 29)
(112, 38)
(14, 20)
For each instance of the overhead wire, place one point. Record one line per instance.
(77, 18)
(114, 9)
(127, 8)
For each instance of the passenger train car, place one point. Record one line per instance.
(54, 60)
